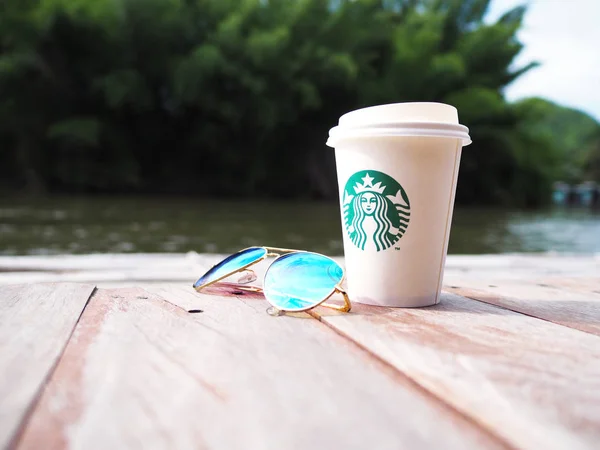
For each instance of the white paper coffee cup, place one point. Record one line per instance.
(397, 168)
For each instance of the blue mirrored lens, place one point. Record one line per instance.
(232, 264)
(299, 281)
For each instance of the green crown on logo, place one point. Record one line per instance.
(367, 185)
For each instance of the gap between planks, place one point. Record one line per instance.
(361, 402)
(406, 378)
(36, 320)
(332, 320)
(533, 382)
(328, 318)
(402, 377)
(549, 302)
(36, 398)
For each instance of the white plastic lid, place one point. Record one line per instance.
(400, 119)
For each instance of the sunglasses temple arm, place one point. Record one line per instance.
(275, 251)
(237, 285)
(241, 287)
(343, 308)
(225, 284)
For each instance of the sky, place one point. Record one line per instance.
(564, 36)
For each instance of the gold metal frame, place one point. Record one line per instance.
(278, 253)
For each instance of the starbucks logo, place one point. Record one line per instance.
(376, 210)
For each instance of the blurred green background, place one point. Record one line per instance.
(233, 99)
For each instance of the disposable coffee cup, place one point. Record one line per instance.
(397, 167)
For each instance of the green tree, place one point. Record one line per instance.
(591, 165)
(569, 131)
(235, 97)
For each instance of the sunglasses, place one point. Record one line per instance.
(295, 281)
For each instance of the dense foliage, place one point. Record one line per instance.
(591, 166)
(571, 132)
(235, 97)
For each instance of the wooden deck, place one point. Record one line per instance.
(102, 352)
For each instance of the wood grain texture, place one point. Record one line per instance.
(107, 270)
(140, 372)
(101, 268)
(535, 383)
(556, 303)
(520, 266)
(586, 285)
(35, 324)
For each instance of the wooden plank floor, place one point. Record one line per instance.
(36, 322)
(505, 361)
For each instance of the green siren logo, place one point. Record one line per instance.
(376, 210)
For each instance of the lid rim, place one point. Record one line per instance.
(390, 129)
(406, 125)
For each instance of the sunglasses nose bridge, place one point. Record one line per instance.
(247, 276)
(272, 311)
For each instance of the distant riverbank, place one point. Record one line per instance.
(128, 225)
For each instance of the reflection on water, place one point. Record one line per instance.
(91, 225)
(504, 231)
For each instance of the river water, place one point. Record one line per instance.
(118, 225)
